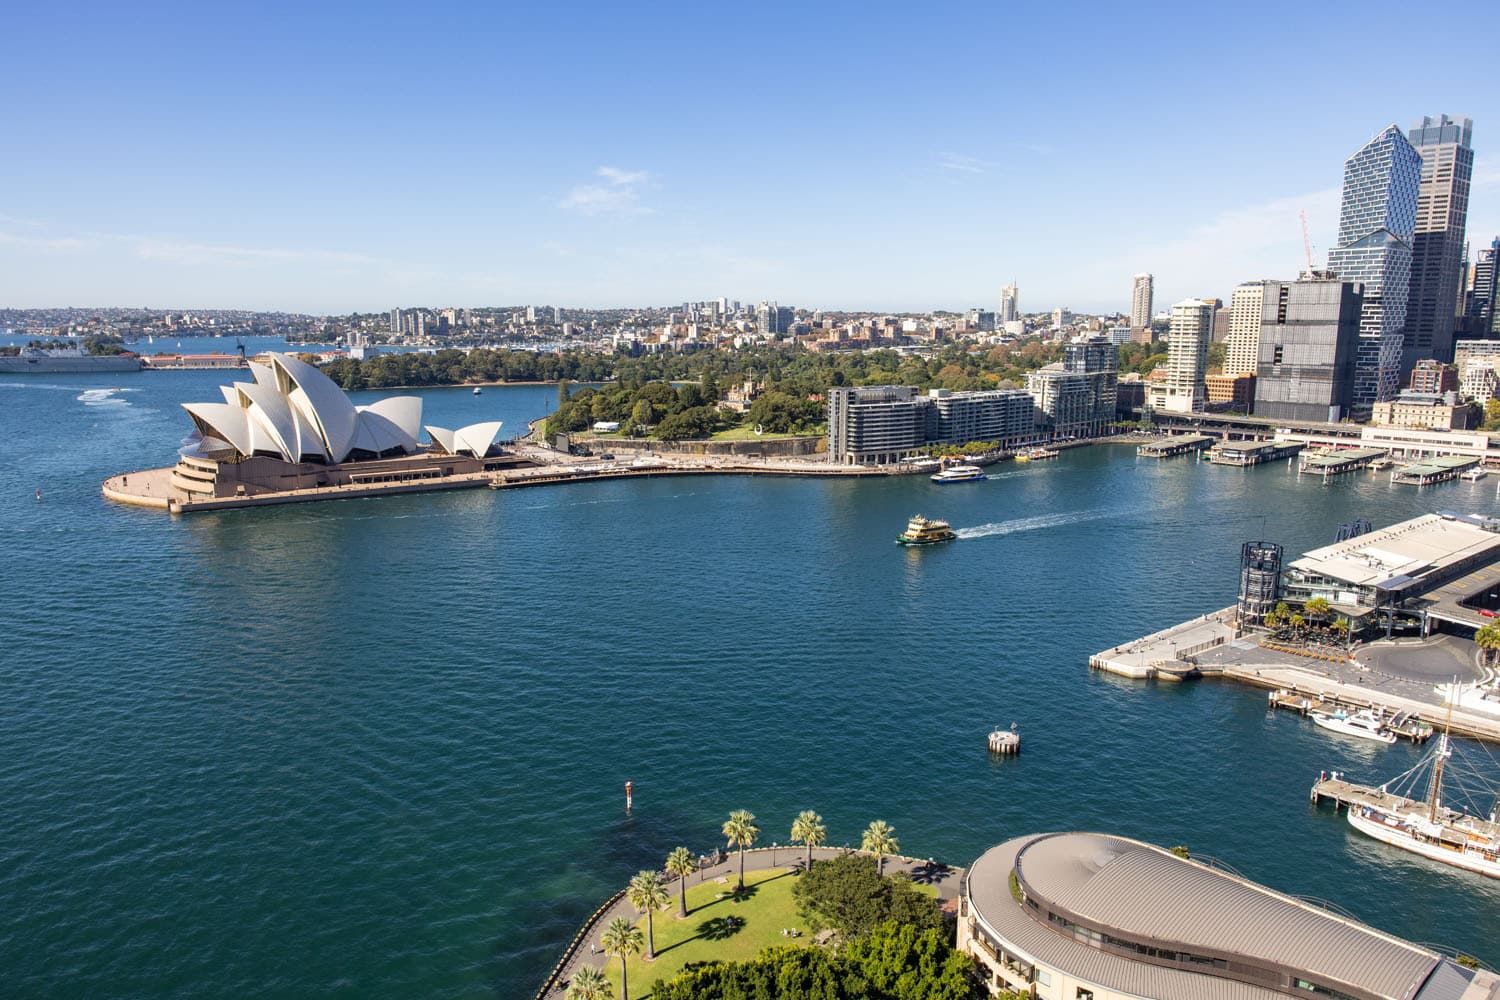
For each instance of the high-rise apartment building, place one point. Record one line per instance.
(1187, 356)
(1437, 251)
(396, 321)
(1242, 350)
(1010, 304)
(1140, 302)
(881, 424)
(1377, 218)
(1309, 345)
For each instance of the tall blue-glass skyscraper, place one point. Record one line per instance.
(1377, 219)
(1437, 250)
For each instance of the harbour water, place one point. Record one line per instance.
(377, 748)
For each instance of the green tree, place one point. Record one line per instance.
(682, 864)
(622, 939)
(1487, 638)
(588, 983)
(562, 392)
(849, 895)
(808, 829)
(907, 963)
(1492, 415)
(1341, 626)
(1297, 623)
(880, 839)
(643, 414)
(740, 830)
(1317, 609)
(647, 894)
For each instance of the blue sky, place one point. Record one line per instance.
(328, 158)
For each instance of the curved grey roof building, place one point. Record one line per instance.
(1087, 916)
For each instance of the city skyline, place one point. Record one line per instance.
(522, 158)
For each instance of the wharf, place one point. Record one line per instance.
(1343, 794)
(1164, 654)
(1175, 444)
(1407, 725)
(1433, 470)
(1328, 462)
(1245, 453)
(554, 474)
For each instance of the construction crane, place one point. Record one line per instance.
(1307, 243)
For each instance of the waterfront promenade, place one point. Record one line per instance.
(584, 948)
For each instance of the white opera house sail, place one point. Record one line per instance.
(293, 428)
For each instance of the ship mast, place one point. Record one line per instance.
(1435, 790)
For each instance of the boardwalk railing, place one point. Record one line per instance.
(573, 946)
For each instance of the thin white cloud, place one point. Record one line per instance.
(960, 163)
(620, 194)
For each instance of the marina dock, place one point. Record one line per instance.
(1343, 794)
(1175, 444)
(1245, 453)
(1433, 470)
(1337, 462)
(1406, 725)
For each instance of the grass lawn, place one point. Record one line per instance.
(760, 914)
(746, 432)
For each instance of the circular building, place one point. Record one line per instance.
(1088, 916)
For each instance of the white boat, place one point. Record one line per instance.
(1365, 724)
(477, 390)
(1475, 474)
(959, 474)
(1431, 829)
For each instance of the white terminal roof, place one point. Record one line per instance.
(1410, 549)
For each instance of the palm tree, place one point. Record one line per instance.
(740, 830)
(588, 984)
(1488, 639)
(809, 829)
(621, 939)
(682, 864)
(647, 894)
(1316, 609)
(880, 840)
(1297, 622)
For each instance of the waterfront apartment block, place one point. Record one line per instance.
(877, 425)
(1088, 916)
(1309, 342)
(1431, 376)
(1187, 359)
(1377, 219)
(1077, 396)
(1437, 252)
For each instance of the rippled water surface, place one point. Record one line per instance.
(376, 748)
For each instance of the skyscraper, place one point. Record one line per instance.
(1140, 301)
(1437, 252)
(1479, 310)
(1377, 217)
(1242, 351)
(1010, 303)
(1187, 356)
(396, 321)
(1308, 343)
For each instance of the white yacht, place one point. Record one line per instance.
(1365, 724)
(959, 474)
(1475, 474)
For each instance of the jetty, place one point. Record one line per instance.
(1433, 470)
(1175, 444)
(1245, 453)
(553, 474)
(1331, 787)
(1337, 462)
(1407, 725)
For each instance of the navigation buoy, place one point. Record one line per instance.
(628, 788)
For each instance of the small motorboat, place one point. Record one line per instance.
(1365, 724)
(478, 391)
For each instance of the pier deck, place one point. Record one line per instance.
(1245, 453)
(1326, 463)
(1174, 445)
(1433, 470)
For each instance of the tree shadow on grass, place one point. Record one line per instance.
(713, 929)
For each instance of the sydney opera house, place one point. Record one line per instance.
(293, 428)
